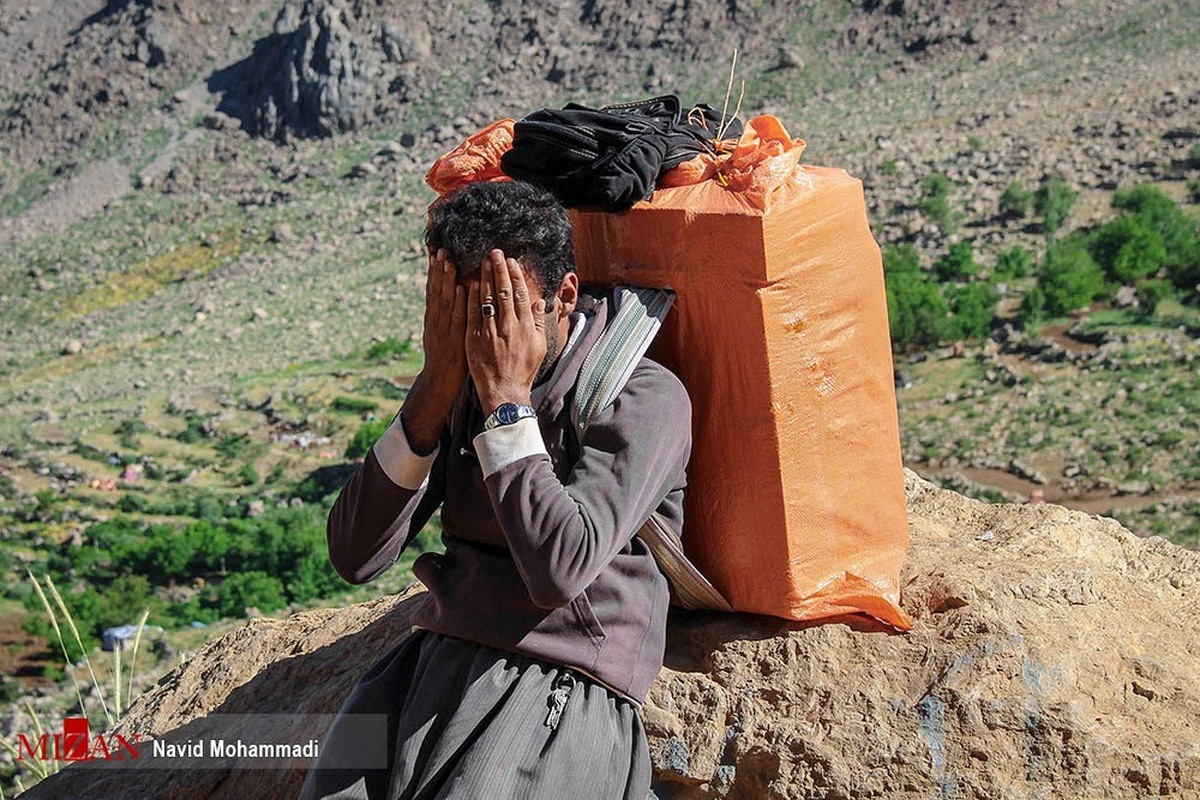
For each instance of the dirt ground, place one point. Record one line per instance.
(22, 656)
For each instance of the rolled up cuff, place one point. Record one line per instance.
(505, 444)
(405, 468)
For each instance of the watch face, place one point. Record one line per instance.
(506, 413)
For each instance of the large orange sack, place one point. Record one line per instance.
(795, 505)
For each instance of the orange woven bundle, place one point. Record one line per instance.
(795, 505)
(764, 161)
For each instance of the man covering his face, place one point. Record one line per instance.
(544, 623)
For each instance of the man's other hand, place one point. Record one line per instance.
(441, 380)
(506, 333)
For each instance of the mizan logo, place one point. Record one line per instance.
(76, 743)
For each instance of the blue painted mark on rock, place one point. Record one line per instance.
(933, 731)
(675, 756)
(723, 778)
(1037, 746)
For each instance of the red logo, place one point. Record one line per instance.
(75, 743)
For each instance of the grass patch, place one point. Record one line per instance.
(934, 379)
(388, 349)
(32, 186)
(148, 277)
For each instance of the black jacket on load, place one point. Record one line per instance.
(609, 157)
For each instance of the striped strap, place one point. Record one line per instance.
(689, 588)
(636, 320)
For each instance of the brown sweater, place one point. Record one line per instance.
(539, 529)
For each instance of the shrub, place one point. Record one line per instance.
(1053, 200)
(1033, 308)
(194, 431)
(354, 405)
(958, 263)
(276, 473)
(890, 167)
(232, 445)
(1015, 201)
(1070, 277)
(209, 543)
(1015, 262)
(248, 475)
(367, 434)
(195, 608)
(127, 432)
(1150, 294)
(935, 202)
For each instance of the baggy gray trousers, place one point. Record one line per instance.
(468, 721)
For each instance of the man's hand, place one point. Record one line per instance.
(441, 380)
(507, 345)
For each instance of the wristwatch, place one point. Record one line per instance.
(507, 414)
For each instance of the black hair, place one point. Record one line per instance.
(525, 221)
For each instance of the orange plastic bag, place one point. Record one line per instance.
(795, 503)
(476, 159)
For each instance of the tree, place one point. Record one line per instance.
(917, 312)
(252, 589)
(313, 577)
(1128, 249)
(974, 308)
(1157, 212)
(123, 601)
(1070, 277)
(160, 554)
(210, 545)
(958, 264)
(1053, 200)
(901, 258)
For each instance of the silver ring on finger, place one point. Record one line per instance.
(488, 310)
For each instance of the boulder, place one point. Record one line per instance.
(1053, 655)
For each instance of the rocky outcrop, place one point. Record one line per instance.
(1053, 655)
(315, 79)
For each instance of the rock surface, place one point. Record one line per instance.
(1053, 655)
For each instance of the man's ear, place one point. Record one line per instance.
(567, 295)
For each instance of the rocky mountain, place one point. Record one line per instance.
(1052, 656)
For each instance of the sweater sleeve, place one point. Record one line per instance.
(383, 506)
(562, 534)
